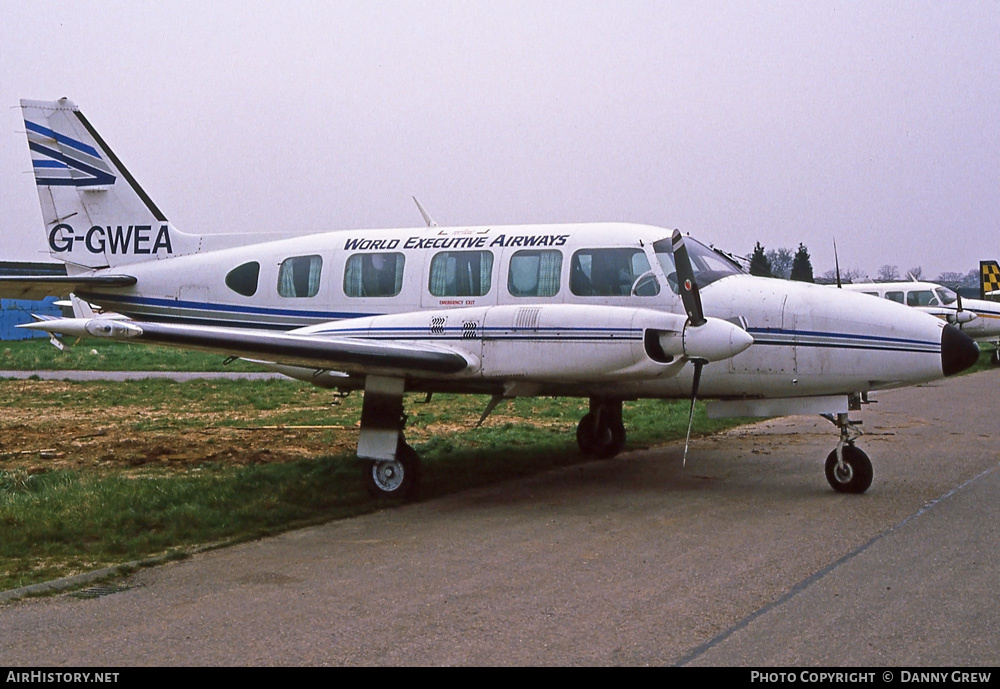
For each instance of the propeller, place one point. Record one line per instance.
(696, 318)
(961, 316)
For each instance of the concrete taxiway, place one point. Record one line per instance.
(746, 557)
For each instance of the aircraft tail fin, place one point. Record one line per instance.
(96, 214)
(989, 280)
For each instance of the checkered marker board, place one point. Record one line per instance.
(989, 272)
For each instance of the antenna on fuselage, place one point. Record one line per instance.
(427, 216)
(836, 263)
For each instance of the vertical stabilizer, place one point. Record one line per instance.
(989, 280)
(96, 215)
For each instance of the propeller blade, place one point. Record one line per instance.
(698, 365)
(685, 278)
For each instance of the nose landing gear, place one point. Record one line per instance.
(848, 469)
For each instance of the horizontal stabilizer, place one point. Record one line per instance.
(41, 286)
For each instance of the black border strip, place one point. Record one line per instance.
(121, 168)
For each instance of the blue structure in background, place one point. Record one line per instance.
(16, 311)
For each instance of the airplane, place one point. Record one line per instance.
(607, 311)
(978, 318)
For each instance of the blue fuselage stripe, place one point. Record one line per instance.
(762, 336)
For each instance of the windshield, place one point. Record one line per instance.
(708, 265)
(946, 295)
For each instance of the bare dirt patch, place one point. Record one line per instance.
(77, 435)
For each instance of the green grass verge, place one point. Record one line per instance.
(97, 355)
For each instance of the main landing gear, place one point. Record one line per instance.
(601, 432)
(390, 468)
(393, 478)
(848, 469)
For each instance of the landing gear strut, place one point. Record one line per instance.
(601, 432)
(848, 469)
(390, 468)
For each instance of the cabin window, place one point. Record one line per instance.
(894, 296)
(243, 279)
(923, 297)
(299, 276)
(374, 275)
(461, 273)
(607, 272)
(534, 273)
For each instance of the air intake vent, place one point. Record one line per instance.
(527, 318)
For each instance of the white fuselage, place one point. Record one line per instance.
(492, 292)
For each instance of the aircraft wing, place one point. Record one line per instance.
(41, 286)
(351, 355)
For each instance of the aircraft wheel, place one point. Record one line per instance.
(600, 435)
(396, 478)
(855, 476)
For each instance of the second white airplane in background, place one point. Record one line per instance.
(977, 318)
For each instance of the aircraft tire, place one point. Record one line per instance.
(395, 479)
(855, 477)
(602, 437)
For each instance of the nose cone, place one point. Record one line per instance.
(958, 351)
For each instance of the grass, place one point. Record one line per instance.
(37, 354)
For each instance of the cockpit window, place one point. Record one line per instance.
(708, 265)
(607, 272)
(921, 297)
(946, 295)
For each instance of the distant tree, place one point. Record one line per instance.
(888, 273)
(759, 265)
(950, 278)
(846, 275)
(802, 269)
(780, 261)
(917, 273)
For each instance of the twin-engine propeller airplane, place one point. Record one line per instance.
(607, 311)
(977, 318)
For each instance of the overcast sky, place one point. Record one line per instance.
(875, 123)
